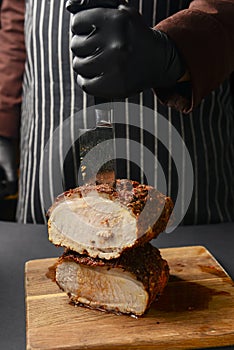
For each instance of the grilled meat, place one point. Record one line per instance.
(128, 284)
(102, 221)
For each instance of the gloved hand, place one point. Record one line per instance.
(117, 54)
(8, 168)
(75, 6)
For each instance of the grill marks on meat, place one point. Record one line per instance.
(128, 284)
(103, 221)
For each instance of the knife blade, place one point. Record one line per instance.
(96, 147)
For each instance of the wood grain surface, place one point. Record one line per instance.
(195, 311)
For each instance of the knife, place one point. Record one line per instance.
(96, 147)
(103, 133)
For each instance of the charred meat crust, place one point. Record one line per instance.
(144, 262)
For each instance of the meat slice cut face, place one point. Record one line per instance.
(94, 224)
(128, 284)
(100, 287)
(102, 221)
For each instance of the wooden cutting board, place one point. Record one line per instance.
(196, 310)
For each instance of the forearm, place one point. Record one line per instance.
(12, 60)
(204, 36)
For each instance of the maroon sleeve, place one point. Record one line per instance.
(12, 59)
(204, 36)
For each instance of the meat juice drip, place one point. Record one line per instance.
(88, 160)
(182, 296)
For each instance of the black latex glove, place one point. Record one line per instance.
(8, 168)
(75, 6)
(117, 54)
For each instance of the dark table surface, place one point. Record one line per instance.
(20, 243)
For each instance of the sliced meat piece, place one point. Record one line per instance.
(103, 221)
(128, 284)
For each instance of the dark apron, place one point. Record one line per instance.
(52, 98)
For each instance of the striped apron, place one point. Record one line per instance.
(52, 99)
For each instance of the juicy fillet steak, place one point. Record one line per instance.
(128, 284)
(102, 221)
